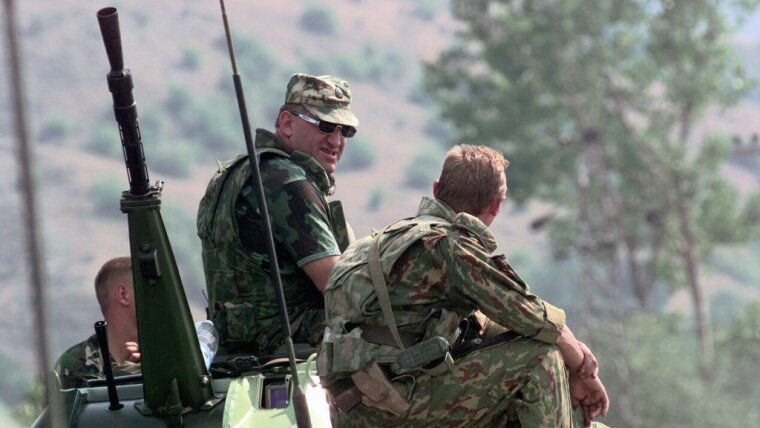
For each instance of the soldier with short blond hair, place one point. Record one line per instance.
(297, 163)
(115, 293)
(433, 279)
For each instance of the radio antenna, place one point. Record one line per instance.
(299, 398)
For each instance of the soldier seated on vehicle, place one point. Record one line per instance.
(115, 294)
(297, 163)
(430, 278)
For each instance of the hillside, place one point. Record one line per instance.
(65, 79)
(176, 45)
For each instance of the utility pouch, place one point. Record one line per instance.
(431, 352)
(345, 395)
(378, 392)
(350, 352)
(238, 322)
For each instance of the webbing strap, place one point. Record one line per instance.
(381, 288)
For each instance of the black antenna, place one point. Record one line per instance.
(105, 356)
(29, 214)
(299, 399)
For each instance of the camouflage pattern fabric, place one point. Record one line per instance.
(518, 383)
(83, 362)
(450, 269)
(326, 97)
(242, 298)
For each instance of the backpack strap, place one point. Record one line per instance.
(381, 288)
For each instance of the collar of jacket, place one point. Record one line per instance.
(436, 208)
(267, 140)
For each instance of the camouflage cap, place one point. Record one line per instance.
(326, 97)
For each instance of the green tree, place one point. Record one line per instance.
(595, 104)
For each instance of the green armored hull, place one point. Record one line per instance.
(254, 399)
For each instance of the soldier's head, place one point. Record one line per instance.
(114, 288)
(316, 118)
(473, 180)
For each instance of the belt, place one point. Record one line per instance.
(381, 335)
(476, 344)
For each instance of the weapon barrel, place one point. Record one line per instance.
(124, 106)
(174, 373)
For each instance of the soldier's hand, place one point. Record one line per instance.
(589, 367)
(132, 352)
(589, 393)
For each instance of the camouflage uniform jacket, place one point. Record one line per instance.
(436, 264)
(306, 227)
(82, 362)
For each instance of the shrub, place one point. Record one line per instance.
(104, 141)
(105, 196)
(370, 64)
(175, 159)
(417, 95)
(359, 154)
(191, 59)
(424, 168)
(376, 198)
(178, 101)
(54, 129)
(426, 10)
(318, 20)
(438, 130)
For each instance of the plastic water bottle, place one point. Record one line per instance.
(208, 338)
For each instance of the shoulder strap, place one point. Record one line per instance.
(381, 288)
(421, 229)
(208, 206)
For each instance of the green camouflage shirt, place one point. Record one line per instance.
(439, 268)
(242, 299)
(82, 362)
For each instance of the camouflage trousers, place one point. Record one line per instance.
(520, 383)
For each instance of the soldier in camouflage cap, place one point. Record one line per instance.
(435, 275)
(115, 293)
(297, 163)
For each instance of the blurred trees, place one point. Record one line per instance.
(595, 104)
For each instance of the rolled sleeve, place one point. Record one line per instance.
(555, 322)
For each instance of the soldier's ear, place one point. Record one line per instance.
(123, 294)
(285, 123)
(435, 188)
(495, 206)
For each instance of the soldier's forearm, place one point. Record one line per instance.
(572, 353)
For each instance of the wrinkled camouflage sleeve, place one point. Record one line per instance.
(475, 278)
(79, 363)
(300, 222)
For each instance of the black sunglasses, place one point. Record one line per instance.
(329, 127)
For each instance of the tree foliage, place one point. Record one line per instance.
(596, 103)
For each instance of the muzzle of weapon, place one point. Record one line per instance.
(124, 106)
